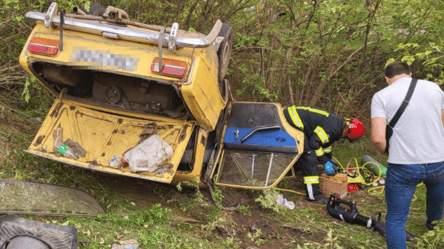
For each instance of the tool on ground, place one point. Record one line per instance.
(349, 214)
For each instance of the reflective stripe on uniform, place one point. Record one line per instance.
(310, 192)
(311, 179)
(319, 152)
(321, 112)
(295, 117)
(321, 134)
(328, 149)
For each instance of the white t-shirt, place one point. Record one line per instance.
(418, 136)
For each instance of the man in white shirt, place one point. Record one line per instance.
(416, 151)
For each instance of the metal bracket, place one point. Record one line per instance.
(173, 37)
(161, 35)
(219, 41)
(50, 14)
(269, 169)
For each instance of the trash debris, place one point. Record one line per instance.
(68, 148)
(76, 147)
(67, 151)
(281, 201)
(127, 244)
(114, 161)
(147, 155)
(36, 120)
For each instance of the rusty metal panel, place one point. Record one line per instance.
(97, 136)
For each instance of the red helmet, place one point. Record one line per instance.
(355, 129)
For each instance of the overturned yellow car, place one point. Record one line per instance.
(151, 102)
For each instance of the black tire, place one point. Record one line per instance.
(26, 242)
(224, 52)
(95, 9)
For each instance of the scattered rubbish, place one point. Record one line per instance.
(253, 228)
(150, 129)
(114, 161)
(68, 148)
(67, 151)
(76, 147)
(57, 133)
(127, 244)
(164, 168)
(36, 120)
(130, 246)
(281, 201)
(147, 155)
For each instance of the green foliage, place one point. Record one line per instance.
(431, 239)
(155, 215)
(256, 237)
(268, 200)
(218, 196)
(430, 56)
(211, 226)
(244, 210)
(328, 52)
(31, 82)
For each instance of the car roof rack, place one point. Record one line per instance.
(107, 28)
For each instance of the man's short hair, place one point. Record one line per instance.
(396, 68)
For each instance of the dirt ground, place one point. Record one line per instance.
(276, 233)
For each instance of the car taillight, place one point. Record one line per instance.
(44, 46)
(171, 68)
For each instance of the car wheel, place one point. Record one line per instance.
(224, 52)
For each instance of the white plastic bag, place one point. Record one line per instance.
(147, 155)
(281, 201)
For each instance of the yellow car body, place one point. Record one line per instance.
(113, 94)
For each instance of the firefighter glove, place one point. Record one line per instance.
(329, 168)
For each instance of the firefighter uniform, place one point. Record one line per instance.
(321, 130)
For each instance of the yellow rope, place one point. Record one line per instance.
(358, 169)
(289, 190)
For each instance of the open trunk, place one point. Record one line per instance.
(99, 138)
(112, 90)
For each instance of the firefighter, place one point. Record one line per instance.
(321, 130)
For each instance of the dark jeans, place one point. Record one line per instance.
(401, 183)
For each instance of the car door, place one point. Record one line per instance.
(259, 147)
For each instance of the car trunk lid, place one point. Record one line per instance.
(98, 137)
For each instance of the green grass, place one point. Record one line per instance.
(201, 224)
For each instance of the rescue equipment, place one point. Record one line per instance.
(349, 214)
